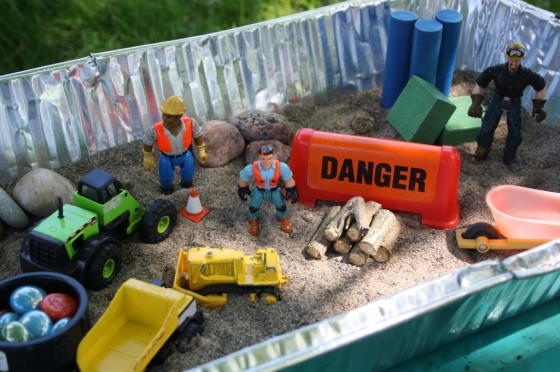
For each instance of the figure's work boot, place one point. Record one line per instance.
(509, 159)
(285, 225)
(481, 154)
(166, 191)
(254, 226)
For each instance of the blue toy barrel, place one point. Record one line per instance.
(397, 61)
(451, 21)
(426, 43)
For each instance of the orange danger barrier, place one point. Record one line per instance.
(403, 176)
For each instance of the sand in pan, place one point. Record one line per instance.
(316, 289)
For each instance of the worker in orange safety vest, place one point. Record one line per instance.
(173, 136)
(267, 173)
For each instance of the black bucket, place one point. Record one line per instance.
(56, 352)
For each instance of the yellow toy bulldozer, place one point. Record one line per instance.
(209, 274)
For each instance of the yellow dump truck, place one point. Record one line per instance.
(139, 328)
(209, 274)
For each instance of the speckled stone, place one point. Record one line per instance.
(223, 141)
(257, 125)
(37, 191)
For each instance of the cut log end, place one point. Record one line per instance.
(353, 233)
(318, 245)
(382, 255)
(315, 250)
(357, 256)
(380, 239)
(342, 220)
(343, 245)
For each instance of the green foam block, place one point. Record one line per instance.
(420, 112)
(460, 128)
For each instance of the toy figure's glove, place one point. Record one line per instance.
(292, 194)
(475, 111)
(538, 113)
(202, 156)
(149, 160)
(243, 192)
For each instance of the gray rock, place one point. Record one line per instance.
(37, 191)
(223, 143)
(11, 213)
(257, 125)
(281, 151)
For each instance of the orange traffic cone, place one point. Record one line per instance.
(194, 211)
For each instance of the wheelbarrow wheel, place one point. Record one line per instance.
(481, 229)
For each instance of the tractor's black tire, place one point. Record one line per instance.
(158, 221)
(24, 254)
(108, 254)
(481, 229)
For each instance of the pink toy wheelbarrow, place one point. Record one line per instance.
(525, 218)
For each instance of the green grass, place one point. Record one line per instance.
(552, 5)
(36, 33)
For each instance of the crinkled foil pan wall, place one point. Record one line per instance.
(409, 323)
(59, 114)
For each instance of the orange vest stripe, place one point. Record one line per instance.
(259, 178)
(162, 141)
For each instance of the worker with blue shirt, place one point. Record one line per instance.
(173, 136)
(267, 173)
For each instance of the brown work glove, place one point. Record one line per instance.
(149, 160)
(475, 111)
(538, 113)
(202, 156)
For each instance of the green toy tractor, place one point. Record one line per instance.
(81, 240)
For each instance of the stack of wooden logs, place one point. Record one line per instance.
(358, 230)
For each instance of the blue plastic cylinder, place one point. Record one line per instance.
(397, 61)
(426, 44)
(452, 22)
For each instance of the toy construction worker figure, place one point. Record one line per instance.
(267, 174)
(510, 80)
(173, 136)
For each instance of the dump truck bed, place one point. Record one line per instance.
(139, 320)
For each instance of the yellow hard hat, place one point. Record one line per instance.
(515, 51)
(173, 105)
